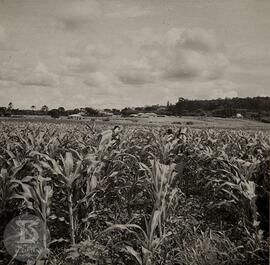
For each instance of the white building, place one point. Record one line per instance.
(146, 114)
(105, 113)
(151, 114)
(75, 116)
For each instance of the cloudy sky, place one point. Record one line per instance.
(117, 53)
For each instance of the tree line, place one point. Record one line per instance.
(10, 110)
(250, 107)
(255, 107)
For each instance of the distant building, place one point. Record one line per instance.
(75, 116)
(151, 114)
(105, 113)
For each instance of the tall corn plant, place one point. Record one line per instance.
(67, 172)
(235, 181)
(238, 192)
(6, 186)
(12, 165)
(37, 195)
(161, 145)
(161, 178)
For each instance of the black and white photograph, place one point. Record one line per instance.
(134, 132)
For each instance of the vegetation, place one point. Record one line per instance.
(139, 195)
(257, 108)
(54, 113)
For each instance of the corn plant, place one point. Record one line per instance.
(163, 191)
(67, 173)
(6, 187)
(37, 194)
(12, 165)
(161, 178)
(148, 240)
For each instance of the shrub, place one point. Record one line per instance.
(54, 113)
(265, 120)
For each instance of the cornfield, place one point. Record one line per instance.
(138, 195)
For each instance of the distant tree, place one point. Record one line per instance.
(170, 108)
(128, 111)
(61, 109)
(152, 108)
(75, 111)
(33, 107)
(54, 113)
(91, 112)
(180, 105)
(116, 111)
(10, 106)
(228, 108)
(139, 108)
(44, 108)
(3, 111)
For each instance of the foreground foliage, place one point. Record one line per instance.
(139, 195)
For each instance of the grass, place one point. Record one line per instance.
(193, 122)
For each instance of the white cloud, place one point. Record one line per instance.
(86, 65)
(40, 77)
(7, 75)
(134, 52)
(76, 13)
(136, 76)
(123, 11)
(199, 39)
(85, 60)
(151, 67)
(194, 54)
(174, 35)
(202, 90)
(180, 54)
(189, 64)
(3, 39)
(98, 80)
(98, 51)
(2, 34)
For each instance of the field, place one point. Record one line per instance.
(190, 121)
(138, 194)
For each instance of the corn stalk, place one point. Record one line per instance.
(68, 172)
(37, 196)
